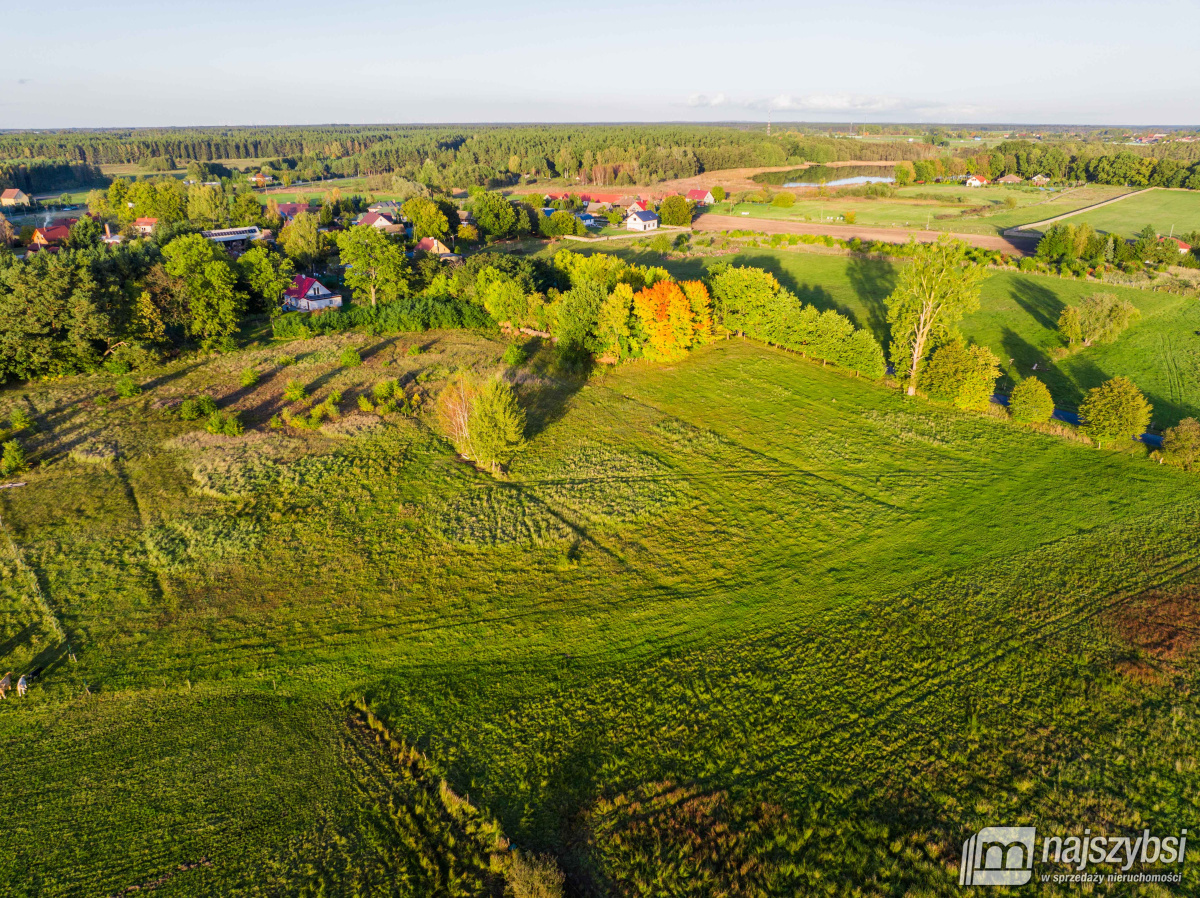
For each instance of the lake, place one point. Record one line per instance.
(828, 175)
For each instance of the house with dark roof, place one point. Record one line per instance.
(290, 210)
(641, 221)
(14, 196)
(309, 295)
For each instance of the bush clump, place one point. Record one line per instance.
(249, 378)
(350, 358)
(195, 409)
(514, 355)
(12, 460)
(127, 387)
(228, 424)
(1030, 402)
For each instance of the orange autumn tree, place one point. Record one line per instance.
(665, 315)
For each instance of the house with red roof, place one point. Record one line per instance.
(309, 295)
(14, 196)
(1184, 248)
(145, 226)
(637, 206)
(377, 220)
(54, 234)
(433, 245)
(701, 196)
(977, 181)
(291, 210)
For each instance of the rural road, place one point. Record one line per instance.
(1018, 246)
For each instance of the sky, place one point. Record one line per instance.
(128, 63)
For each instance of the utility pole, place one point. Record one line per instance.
(768, 121)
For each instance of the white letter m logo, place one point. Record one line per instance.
(998, 856)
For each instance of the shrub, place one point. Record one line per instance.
(195, 409)
(497, 425)
(249, 378)
(1030, 402)
(385, 389)
(534, 876)
(1115, 409)
(350, 358)
(414, 350)
(13, 460)
(20, 420)
(661, 244)
(127, 387)
(294, 392)
(850, 217)
(514, 355)
(1181, 444)
(784, 200)
(365, 405)
(964, 375)
(284, 360)
(227, 424)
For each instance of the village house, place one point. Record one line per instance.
(53, 234)
(1184, 248)
(641, 221)
(700, 196)
(390, 208)
(1039, 180)
(309, 295)
(638, 206)
(258, 179)
(145, 226)
(14, 196)
(434, 246)
(288, 211)
(977, 181)
(1010, 179)
(377, 220)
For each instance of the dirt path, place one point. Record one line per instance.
(1038, 225)
(1016, 245)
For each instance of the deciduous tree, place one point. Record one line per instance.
(376, 267)
(1114, 410)
(1030, 402)
(934, 290)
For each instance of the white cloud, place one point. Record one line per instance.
(705, 100)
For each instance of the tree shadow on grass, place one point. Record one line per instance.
(873, 280)
(1038, 301)
(1018, 361)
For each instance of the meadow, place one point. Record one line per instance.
(740, 594)
(1017, 319)
(1167, 211)
(946, 207)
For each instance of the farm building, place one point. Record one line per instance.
(1010, 179)
(701, 196)
(642, 221)
(976, 181)
(14, 196)
(308, 295)
(145, 226)
(235, 240)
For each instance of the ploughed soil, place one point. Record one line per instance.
(1017, 246)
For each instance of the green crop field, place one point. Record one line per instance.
(1168, 211)
(945, 207)
(1017, 319)
(742, 594)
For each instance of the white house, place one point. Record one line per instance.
(641, 221)
(308, 294)
(976, 181)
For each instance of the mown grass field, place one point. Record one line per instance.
(946, 207)
(1166, 210)
(742, 591)
(1017, 319)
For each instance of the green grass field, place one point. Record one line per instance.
(742, 592)
(945, 207)
(1166, 210)
(1017, 319)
